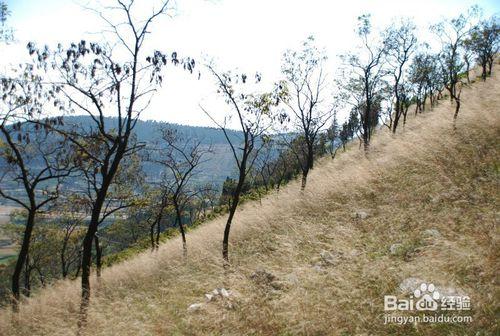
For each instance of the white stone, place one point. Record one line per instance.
(360, 214)
(225, 293)
(195, 307)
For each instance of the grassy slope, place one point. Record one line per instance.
(428, 176)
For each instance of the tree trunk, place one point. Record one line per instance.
(27, 277)
(86, 261)
(309, 163)
(181, 227)
(158, 232)
(467, 69)
(457, 108)
(304, 179)
(87, 254)
(98, 256)
(396, 121)
(21, 259)
(232, 209)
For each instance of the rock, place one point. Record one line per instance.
(360, 214)
(431, 233)
(218, 292)
(396, 249)
(195, 307)
(435, 199)
(224, 293)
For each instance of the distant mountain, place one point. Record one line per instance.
(219, 165)
(220, 162)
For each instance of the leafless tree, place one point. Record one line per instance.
(181, 158)
(305, 84)
(254, 116)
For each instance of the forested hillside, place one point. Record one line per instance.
(422, 201)
(348, 186)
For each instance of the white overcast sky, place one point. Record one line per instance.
(250, 35)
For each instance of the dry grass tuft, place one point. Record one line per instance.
(429, 176)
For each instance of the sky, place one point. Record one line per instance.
(240, 35)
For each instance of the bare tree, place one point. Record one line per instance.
(305, 83)
(181, 158)
(254, 115)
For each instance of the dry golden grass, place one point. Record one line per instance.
(428, 176)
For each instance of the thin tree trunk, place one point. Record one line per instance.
(457, 108)
(87, 254)
(467, 69)
(304, 179)
(181, 227)
(152, 235)
(158, 232)
(21, 259)
(98, 256)
(232, 210)
(27, 276)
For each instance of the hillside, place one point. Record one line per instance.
(320, 262)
